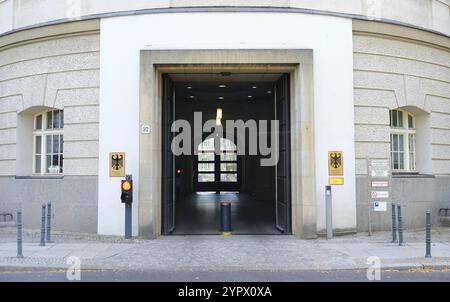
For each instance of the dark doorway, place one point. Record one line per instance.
(195, 184)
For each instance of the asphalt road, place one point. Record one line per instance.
(177, 276)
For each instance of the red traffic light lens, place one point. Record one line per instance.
(126, 185)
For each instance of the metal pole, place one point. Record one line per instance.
(369, 178)
(225, 218)
(329, 212)
(43, 226)
(400, 225)
(19, 234)
(128, 208)
(49, 221)
(428, 235)
(128, 211)
(370, 218)
(394, 226)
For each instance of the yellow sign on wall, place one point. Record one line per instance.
(117, 164)
(336, 181)
(335, 163)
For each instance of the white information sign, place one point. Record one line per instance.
(379, 187)
(380, 206)
(379, 168)
(380, 194)
(380, 184)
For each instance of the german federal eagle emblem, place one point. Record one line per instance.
(117, 161)
(335, 160)
(117, 164)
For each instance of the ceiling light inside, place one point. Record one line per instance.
(219, 117)
(192, 97)
(254, 87)
(221, 98)
(223, 86)
(219, 113)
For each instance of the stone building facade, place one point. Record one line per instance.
(370, 60)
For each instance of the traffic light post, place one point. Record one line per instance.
(127, 199)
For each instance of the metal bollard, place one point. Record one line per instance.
(128, 221)
(400, 225)
(225, 218)
(329, 212)
(43, 226)
(19, 234)
(127, 198)
(49, 221)
(394, 226)
(428, 235)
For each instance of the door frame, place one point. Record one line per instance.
(168, 159)
(298, 63)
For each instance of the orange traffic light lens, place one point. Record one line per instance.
(126, 185)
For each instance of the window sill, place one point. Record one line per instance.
(41, 177)
(410, 175)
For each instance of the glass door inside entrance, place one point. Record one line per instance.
(217, 171)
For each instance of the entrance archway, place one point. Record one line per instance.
(259, 194)
(297, 63)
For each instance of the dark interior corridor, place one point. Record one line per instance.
(201, 181)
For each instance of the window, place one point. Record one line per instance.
(226, 168)
(48, 142)
(206, 166)
(403, 140)
(228, 161)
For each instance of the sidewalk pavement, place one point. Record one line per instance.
(218, 253)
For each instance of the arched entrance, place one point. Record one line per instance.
(217, 171)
